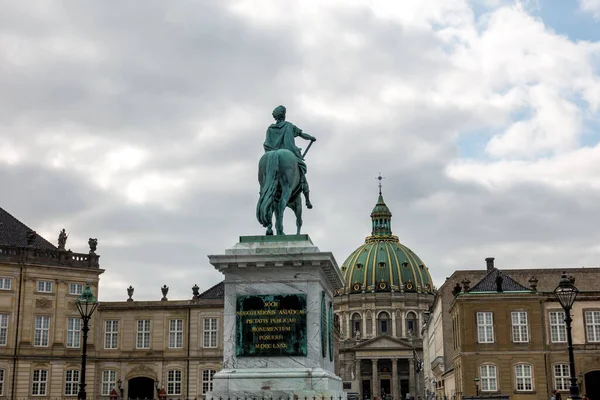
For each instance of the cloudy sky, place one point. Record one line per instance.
(141, 124)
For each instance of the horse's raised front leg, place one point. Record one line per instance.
(298, 211)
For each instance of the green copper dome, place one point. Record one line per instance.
(383, 263)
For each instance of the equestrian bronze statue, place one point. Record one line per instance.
(282, 174)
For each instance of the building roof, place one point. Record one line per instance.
(216, 292)
(14, 233)
(382, 263)
(497, 281)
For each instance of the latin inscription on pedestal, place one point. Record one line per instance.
(271, 325)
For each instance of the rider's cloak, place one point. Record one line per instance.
(280, 135)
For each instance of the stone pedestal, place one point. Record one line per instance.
(278, 320)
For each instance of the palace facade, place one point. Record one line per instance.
(134, 347)
(503, 334)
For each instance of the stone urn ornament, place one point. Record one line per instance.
(195, 292)
(93, 243)
(130, 290)
(164, 290)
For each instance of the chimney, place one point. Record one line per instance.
(489, 263)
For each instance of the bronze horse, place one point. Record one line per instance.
(280, 187)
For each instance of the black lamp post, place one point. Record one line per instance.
(476, 386)
(566, 292)
(86, 304)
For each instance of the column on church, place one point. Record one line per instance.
(374, 324)
(375, 380)
(364, 325)
(395, 388)
(411, 377)
(359, 379)
(394, 323)
(349, 333)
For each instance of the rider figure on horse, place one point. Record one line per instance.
(280, 135)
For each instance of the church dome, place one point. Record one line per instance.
(382, 263)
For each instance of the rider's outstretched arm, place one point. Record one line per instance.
(306, 136)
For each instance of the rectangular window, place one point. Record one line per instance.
(174, 382)
(488, 378)
(42, 329)
(210, 332)
(592, 325)
(143, 334)
(176, 333)
(75, 288)
(5, 283)
(207, 380)
(73, 332)
(561, 377)
(44, 286)
(39, 383)
(524, 375)
(3, 329)
(109, 379)
(72, 382)
(111, 334)
(558, 327)
(520, 331)
(485, 327)
(1, 382)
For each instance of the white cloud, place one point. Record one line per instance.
(591, 6)
(149, 122)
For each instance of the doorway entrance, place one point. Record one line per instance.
(385, 387)
(592, 384)
(366, 389)
(140, 388)
(403, 388)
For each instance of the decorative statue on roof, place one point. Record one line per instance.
(282, 174)
(62, 239)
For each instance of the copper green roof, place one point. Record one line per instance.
(383, 263)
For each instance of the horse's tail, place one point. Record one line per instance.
(264, 206)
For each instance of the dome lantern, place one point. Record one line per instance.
(381, 216)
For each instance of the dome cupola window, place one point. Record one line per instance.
(411, 324)
(356, 320)
(383, 322)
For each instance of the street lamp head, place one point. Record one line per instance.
(566, 292)
(476, 380)
(87, 302)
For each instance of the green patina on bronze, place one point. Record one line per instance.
(271, 325)
(282, 174)
(323, 325)
(274, 239)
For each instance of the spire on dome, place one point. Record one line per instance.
(381, 216)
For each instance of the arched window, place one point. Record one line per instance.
(489, 381)
(71, 382)
(174, 382)
(1, 382)
(524, 377)
(356, 325)
(411, 324)
(109, 380)
(207, 380)
(383, 323)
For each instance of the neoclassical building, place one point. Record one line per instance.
(133, 346)
(379, 312)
